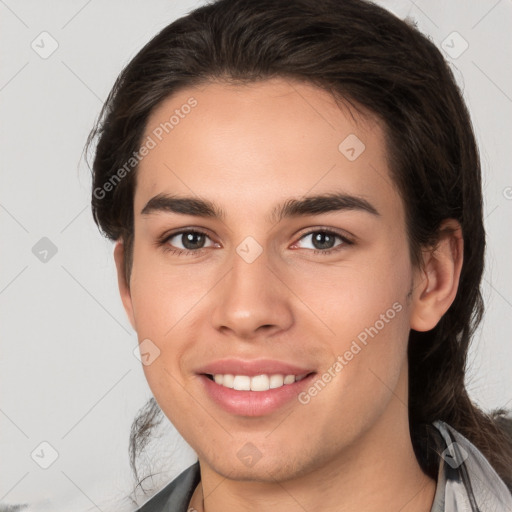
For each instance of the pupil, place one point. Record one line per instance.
(188, 240)
(325, 240)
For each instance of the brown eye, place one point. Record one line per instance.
(186, 241)
(324, 241)
(191, 239)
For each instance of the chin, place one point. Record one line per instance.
(264, 470)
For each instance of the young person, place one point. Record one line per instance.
(294, 191)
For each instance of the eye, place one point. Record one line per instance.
(192, 242)
(186, 241)
(323, 241)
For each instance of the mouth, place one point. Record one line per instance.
(254, 395)
(258, 383)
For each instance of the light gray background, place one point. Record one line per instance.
(68, 375)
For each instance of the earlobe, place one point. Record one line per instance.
(436, 284)
(124, 288)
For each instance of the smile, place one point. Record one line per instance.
(256, 382)
(253, 396)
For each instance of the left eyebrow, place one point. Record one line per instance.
(323, 203)
(310, 205)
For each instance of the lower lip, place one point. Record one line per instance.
(253, 403)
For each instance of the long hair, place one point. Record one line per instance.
(364, 55)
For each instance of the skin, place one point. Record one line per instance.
(248, 148)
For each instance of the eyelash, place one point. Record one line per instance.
(163, 242)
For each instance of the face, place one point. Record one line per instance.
(319, 293)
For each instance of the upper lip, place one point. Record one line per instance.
(252, 367)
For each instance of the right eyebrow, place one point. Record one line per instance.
(184, 205)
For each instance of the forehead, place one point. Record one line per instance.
(261, 142)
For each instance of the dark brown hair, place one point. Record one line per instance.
(364, 55)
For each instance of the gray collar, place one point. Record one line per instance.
(466, 481)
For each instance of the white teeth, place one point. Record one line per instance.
(289, 379)
(227, 380)
(256, 383)
(242, 383)
(276, 381)
(260, 383)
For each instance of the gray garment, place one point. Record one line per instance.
(466, 481)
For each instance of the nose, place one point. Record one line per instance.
(252, 300)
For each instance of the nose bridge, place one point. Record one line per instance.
(250, 267)
(251, 295)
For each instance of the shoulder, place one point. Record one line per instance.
(466, 480)
(175, 496)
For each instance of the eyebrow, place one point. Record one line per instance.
(312, 205)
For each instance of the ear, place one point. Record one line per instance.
(124, 287)
(436, 284)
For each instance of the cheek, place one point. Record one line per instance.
(353, 296)
(169, 304)
(367, 353)
(366, 309)
(163, 294)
